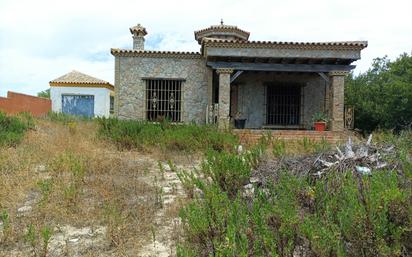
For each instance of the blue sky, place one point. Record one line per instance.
(44, 39)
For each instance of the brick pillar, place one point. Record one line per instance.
(337, 91)
(224, 97)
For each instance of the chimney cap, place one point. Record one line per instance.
(138, 30)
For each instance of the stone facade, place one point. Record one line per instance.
(130, 84)
(337, 85)
(224, 97)
(252, 102)
(211, 77)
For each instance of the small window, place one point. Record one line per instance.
(164, 100)
(111, 104)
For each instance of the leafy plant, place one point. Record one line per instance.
(320, 117)
(382, 96)
(341, 214)
(45, 187)
(46, 234)
(278, 147)
(13, 128)
(31, 237)
(5, 218)
(44, 93)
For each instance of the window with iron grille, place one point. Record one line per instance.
(164, 100)
(283, 104)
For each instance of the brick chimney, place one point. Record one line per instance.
(138, 33)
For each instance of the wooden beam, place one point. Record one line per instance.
(235, 76)
(279, 67)
(324, 76)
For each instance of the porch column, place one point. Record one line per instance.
(224, 98)
(209, 109)
(337, 91)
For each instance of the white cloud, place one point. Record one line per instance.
(41, 40)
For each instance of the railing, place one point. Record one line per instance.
(349, 117)
(212, 113)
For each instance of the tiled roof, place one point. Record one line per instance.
(337, 44)
(158, 54)
(138, 29)
(76, 77)
(199, 34)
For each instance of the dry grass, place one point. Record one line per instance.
(74, 178)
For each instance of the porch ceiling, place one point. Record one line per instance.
(242, 66)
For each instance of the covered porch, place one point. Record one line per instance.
(278, 90)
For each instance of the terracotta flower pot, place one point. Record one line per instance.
(320, 126)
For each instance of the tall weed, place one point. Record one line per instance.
(166, 136)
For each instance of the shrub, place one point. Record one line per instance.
(65, 119)
(342, 214)
(13, 128)
(129, 134)
(382, 96)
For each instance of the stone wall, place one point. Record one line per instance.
(314, 99)
(130, 87)
(252, 102)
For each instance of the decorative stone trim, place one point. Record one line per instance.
(155, 54)
(85, 84)
(338, 73)
(222, 28)
(224, 71)
(222, 43)
(138, 30)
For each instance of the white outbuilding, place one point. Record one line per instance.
(76, 93)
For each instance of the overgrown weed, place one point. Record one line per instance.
(128, 134)
(342, 214)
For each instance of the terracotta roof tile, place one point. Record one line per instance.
(138, 29)
(149, 53)
(78, 77)
(359, 44)
(199, 34)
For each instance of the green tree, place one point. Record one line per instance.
(44, 93)
(382, 96)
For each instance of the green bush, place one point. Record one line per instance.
(13, 128)
(129, 134)
(382, 96)
(342, 214)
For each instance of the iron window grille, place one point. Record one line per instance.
(164, 100)
(283, 104)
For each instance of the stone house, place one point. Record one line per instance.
(77, 93)
(274, 85)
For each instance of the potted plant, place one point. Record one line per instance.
(319, 120)
(239, 121)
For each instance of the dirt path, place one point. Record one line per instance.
(166, 223)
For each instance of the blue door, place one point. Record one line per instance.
(82, 105)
